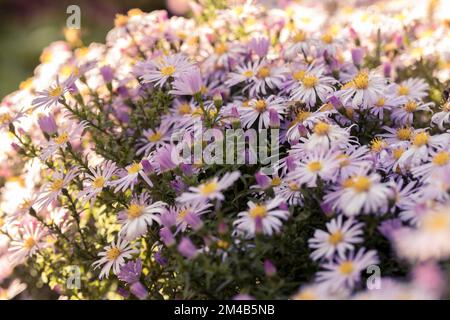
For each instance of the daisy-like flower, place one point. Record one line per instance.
(129, 177)
(443, 117)
(53, 189)
(312, 85)
(31, 240)
(339, 237)
(399, 135)
(352, 160)
(317, 164)
(410, 89)
(328, 43)
(440, 162)
(113, 257)
(66, 134)
(6, 118)
(185, 211)
(154, 139)
(263, 217)
(188, 84)
(430, 240)
(404, 115)
(361, 193)
(211, 189)
(139, 215)
(162, 69)
(259, 109)
(302, 121)
(363, 90)
(422, 144)
(98, 179)
(324, 135)
(288, 191)
(383, 104)
(299, 44)
(243, 73)
(266, 77)
(345, 270)
(51, 96)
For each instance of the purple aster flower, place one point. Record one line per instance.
(167, 236)
(47, 124)
(188, 84)
(131, 272)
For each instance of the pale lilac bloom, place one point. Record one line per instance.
(188, 84)
(163, 68)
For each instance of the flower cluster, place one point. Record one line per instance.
(356, 206)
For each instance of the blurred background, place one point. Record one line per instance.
(27, 26)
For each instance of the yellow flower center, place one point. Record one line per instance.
(302, 116)
(168, 70)
(62, 138)
(184, 109)
(57, 185)
(223, 244)
(361, 184)
(344, 160)
(293, 186)
(397, 153)
(306, 295)
(441, 158)
(98, 182)
(420, 139)
(327, 38)
(182, 213)
(134, 211)
(299, 75)
(346, 267)
(260, 105)
(113, 254)
(5, 118)
(29, 243)
(310, 81)
(404, 134)
(263, 72)
(258, 211)
(155, 137)
(276, 181)
(403, 91)
(321, 128)
(377, 144)
(134, 168)
(380, 102)
(55, 92)
(315, 166)
(299, 36)
(410, 106)
(248, 73)
(361, 81)
(436, 221)
(208, 188)
(220, 48)
(335, 238)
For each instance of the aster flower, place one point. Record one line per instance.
(299, 44)
(185, 213)
(31, 240)
(430, 240)
(113, 257)
(315, 165)
(162, 69)
(263, 217)
(266, 77)
(312, 85)
(51, 96)
(7, 119)
(410, 89)
(139, 215)
(53, 189)
(129, 177)
(259, 109)
(361, 193)
(67, 133)
(211, 189)
(404, 115)
(363, 90)
(345, 270)
(188, 84)
(154, 138)
(96, 181)
(443, 117)
(339, 238)
(439, 162)
(289, 192)
(244, 73)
